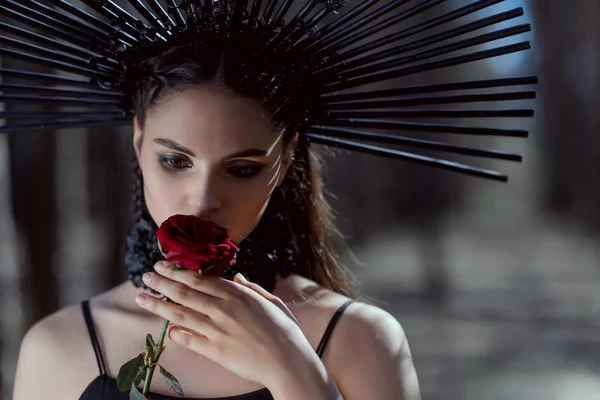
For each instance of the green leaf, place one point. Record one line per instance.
(129, 372)
(175, 267)
(149, 341)
(150, 346)
(171, 381)
(134, 394)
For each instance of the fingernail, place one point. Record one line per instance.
(160, 266)
(240, 275)
(140, 299)
(147, 277)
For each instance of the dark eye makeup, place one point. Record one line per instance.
(175, 163)
(245, 171)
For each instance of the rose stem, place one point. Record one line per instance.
(150, 371)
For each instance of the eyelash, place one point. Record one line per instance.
(250, 171)
(166, 162)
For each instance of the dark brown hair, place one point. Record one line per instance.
(312, 246)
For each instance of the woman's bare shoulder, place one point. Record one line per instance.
(66, 326)
(380, 362)
(52, 357)
(377, 340)
(361, 324)
(315, 307)
(57, 331)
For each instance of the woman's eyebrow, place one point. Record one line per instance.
(246, 153)
(173, 145)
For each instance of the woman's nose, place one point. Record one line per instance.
(204, 199)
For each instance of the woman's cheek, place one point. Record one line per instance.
(249, 206)
(162, 195)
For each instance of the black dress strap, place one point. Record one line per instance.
(87, 315)
(329, 330)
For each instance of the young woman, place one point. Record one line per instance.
(204, 148)
(225, 97)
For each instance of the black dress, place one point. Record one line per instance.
(105, 387)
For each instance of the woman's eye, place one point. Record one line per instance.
(244, 172)
(173, 163)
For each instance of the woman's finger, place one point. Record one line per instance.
(180, 315)
(188, 295)
(213, 286)
(195, 342)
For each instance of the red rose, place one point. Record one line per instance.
(196, 244)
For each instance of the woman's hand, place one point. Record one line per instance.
(238, 324)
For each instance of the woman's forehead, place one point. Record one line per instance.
(212, 119)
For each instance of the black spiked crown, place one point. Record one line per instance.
(310, 69)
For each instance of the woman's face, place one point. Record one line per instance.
(211, 153)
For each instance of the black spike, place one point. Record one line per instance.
(254, 12)
(69, 21)
(409, 114)
(51, 43)
(63, 125)
(402, 155)
(162, 13)
(43, 26)
(448, 62)
(48, 78)
(53, 63)
(372, 30)
(305, 28)
(299, 17)
(268, 11)
(362, 136)
(175, 9)
(336, 23)
(334, 5)
(283, 9)
(35, 90)
(435, 88)
(435, 52)
(152, 19)
(396, 102)
(120, 12)
(326, 39)
(59, 101)
(38, 114)
(31, 49)
(405, 47)
(77, 30)
(120, 17)
(120, 35)
(84, 16)
(423, 127)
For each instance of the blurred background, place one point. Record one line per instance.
(496, 285)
